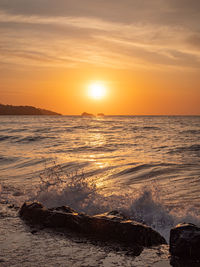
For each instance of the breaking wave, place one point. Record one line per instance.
(78, 192)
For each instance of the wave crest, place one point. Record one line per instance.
(77, 191)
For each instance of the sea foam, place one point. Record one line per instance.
(78, 192)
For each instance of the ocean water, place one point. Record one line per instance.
(147, 167)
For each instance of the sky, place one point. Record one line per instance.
(145, 52)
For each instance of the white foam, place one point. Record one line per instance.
(76, 191)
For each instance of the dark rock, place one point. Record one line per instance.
(33, 232)
(179, 262)
(35, 213)
(185, 241)
(112, 215)
(108, 226)
(64, 209)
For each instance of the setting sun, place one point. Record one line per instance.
(97, 90)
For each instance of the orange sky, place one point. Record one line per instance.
(145, 52)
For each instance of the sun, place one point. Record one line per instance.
(97, 90)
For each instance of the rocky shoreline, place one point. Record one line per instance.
(115, 227)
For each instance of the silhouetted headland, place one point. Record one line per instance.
(24, 110)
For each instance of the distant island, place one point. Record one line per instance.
(85, 114)
(100, 114)
(90, 115)
(24, 110)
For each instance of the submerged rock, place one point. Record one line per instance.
(185, 241)
(111, 226)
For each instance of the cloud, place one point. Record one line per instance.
(129, 11)
(120, 34)
(194, 40)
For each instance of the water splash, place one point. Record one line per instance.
(77, 191)
(73, 188)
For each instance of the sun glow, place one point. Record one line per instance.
(97, 90)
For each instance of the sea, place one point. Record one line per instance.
(147, 167)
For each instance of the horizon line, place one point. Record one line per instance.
(137, 115)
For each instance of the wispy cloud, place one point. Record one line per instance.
(71, 40)
(79, 22)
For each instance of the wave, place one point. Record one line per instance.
(192, 148)
(4, 137)
(133, 169)
(84, 149)
(18, 130)
(29, 139)
(151, 128)
(145, 128)
(80, 193)
(7, 160)
(83, 196)
(144, 171)
(195, 147)
(195, 132)
(42, 130)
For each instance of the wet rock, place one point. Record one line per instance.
(185, 241)
(33, 232)
(178, 262)
(64, 209)
(112, 215)
(111, 226)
